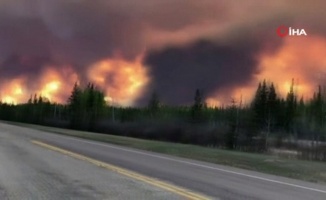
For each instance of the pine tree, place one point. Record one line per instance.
(35, 99)
(231, 135)
(291, 106)
(260, 105)
(271, 110)
(272, 98)
(154, 104)
(30, 100)
(198, 106)
(318, 110)
(75, 107)
(301, 107)
(96, 104)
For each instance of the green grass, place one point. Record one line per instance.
(299, 169)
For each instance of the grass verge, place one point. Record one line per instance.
(299, 169)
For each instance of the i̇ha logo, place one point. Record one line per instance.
(283, 31)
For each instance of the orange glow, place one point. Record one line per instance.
(299, 58)
(123, 81)
(241, 95)
(9, 100)
(212, 102)
(52, 84)
(12, 92)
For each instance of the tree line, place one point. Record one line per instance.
(268, 121)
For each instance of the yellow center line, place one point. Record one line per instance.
(160, 184)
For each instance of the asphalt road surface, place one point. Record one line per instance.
(31, 171)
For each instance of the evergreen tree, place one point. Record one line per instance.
(318, 108)
(35, 99)
(96, 104)
(271, 111)
(272, 98)
(154, 104)
(75, 107)
(271, 107)
(86, 106)
(301, 108)
(198, 106)
(260, 105)
(231, 135)
(30, 100)
(291, 106)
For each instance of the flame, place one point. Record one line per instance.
(50, 84)
(123, 81)
(213, 102)
(55, 83)
(301, 59)
(12, 92)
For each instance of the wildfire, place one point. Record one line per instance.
(12, 92)
(300, 59)
(54, 83)
(50, 85)
(213, 102)
(123, 81)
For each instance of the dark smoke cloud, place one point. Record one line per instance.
(221, 39)
(179, 71)
(212, 65)
(17, 65)
(84, 31)
(78, 32)
(81, 32)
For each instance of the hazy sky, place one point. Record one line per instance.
(131, 48)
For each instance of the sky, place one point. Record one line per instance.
(132, 48)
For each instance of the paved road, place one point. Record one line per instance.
(43, 167)
(30, 172)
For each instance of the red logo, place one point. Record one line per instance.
(282, 31)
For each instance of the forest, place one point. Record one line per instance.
(268, 124)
